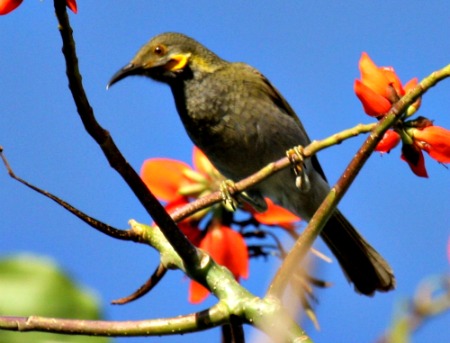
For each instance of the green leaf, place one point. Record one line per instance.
(32, 285)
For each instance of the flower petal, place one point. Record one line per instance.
(188, 226)
(414, 157)
(416, 105)
(276, 215)
(227, 247)
(191, 230)
(164, 177)
(411, 84)
(202, 163)
(237, 254)
(389, 141)
(372, 76)
(7, 6)
(197, 293)
(435, 140)
(373, 103)
(394, 82)
(72, 4)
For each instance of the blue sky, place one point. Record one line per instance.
(310, 53)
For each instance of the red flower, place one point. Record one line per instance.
(389, 141)
(189, 226)
(72, 4)
(176, 183)
(227, 247)
(165, 177)
(7, 6)
(414, 157)
(424, 136)
(379, 87)
(169, 179)
(276, 215)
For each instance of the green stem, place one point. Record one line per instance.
(215, 316)
(266, 314)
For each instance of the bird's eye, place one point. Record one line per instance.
(159, 50)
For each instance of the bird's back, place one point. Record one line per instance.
(230, 113)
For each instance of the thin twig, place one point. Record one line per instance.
(308, 151)
(126, 235)
(215, 316)
(157, 275)
(431, 300)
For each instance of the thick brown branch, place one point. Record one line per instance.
(180, 243)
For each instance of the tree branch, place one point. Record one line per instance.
(215, 316)
(125, 235)
(180, 243)
(234, 300)
(157, 275)
(308, 151)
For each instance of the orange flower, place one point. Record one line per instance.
(7, 6)
(176, 183)
(169, 179)
(389, 141)
(435, 140)
(227, 247)
(379, 87)
(422, 135)
(164, 177)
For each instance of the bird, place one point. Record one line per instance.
(241, 122)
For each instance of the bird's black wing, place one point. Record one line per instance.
(281, 103)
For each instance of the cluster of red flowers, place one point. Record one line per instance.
(378, 89)
(7, 6)
(176, 183)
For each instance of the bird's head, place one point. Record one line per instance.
(168, 57)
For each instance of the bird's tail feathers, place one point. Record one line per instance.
(362, 264)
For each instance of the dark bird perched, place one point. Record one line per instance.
(242, 123)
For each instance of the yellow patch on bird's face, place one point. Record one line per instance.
(177, 62)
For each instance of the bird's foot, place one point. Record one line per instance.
(227, 187)
(232, 200)
(295, 156)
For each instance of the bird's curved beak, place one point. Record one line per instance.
(128, 70)
(141, 65)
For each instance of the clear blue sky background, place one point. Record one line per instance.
(309, 50)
